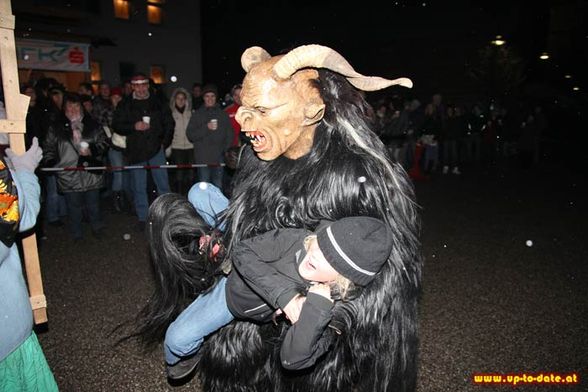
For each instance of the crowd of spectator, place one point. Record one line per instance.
(435, 137)
(136, 124)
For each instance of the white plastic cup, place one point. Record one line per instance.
(84, 145)
(146, 119)
(214, 122)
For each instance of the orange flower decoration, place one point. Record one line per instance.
(9, 207)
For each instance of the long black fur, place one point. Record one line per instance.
(180, 269)
(347, 173)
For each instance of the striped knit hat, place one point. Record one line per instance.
(356, 247)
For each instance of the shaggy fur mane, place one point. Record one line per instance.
(181, 271)
(347, 173)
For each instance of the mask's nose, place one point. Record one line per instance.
(244, 117)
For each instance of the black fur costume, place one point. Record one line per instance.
(347, 173)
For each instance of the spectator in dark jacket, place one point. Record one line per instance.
(452, 131)
(51, 114)
(77, 140)
(211, 133)
(430, 132)
(149, 127)
(102, 108)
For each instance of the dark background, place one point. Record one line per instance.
(435, 43)
(438, 44)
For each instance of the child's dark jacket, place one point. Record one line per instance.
(266, 272)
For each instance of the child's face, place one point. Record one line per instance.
(315, 267)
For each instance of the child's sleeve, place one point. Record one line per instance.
(306, 341)
(29, 202)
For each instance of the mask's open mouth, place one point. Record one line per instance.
(257, 139)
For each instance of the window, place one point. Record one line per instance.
(158, 74)
(154, 11)
(122, 9)
(95, 71)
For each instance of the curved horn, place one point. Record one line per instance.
(252, 56)
(373, 83)
(317, 56)
(313, 56)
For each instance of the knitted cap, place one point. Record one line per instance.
(210, 88)
(356, 247)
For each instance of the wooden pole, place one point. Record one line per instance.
(15, 125)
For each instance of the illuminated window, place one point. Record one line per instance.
(154, 11)
(122, 9)
(95, 71)
(158, 74)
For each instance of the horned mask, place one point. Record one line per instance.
(281, 107)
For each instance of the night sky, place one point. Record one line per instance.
(432, 42)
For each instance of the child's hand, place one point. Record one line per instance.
(321, 289)
(294, 308)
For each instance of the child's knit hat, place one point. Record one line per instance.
(356, 247)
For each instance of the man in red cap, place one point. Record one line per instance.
(149, 127)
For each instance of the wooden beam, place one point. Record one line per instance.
(16, 111)
(13, 126)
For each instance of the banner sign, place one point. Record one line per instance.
(52, 55)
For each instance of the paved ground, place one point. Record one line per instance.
(504, 288)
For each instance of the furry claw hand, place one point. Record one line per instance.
(29, 160)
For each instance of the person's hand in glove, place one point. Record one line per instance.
(27, 161)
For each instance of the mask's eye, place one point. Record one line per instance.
(261, 109)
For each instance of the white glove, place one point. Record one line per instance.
(27, 161)
(168, 152)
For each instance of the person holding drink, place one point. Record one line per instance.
(211, 133)
(149, 128)
(77, 140)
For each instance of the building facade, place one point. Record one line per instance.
(161, 38)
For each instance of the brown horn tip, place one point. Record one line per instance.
(374, 83)
(252, 56)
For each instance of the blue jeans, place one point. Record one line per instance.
(139, 177)
(209, 201)
(75, 202)
(208, 313)
(116, 159)
(54, 202)
(211, 174)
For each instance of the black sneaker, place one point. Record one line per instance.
(183, 368)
